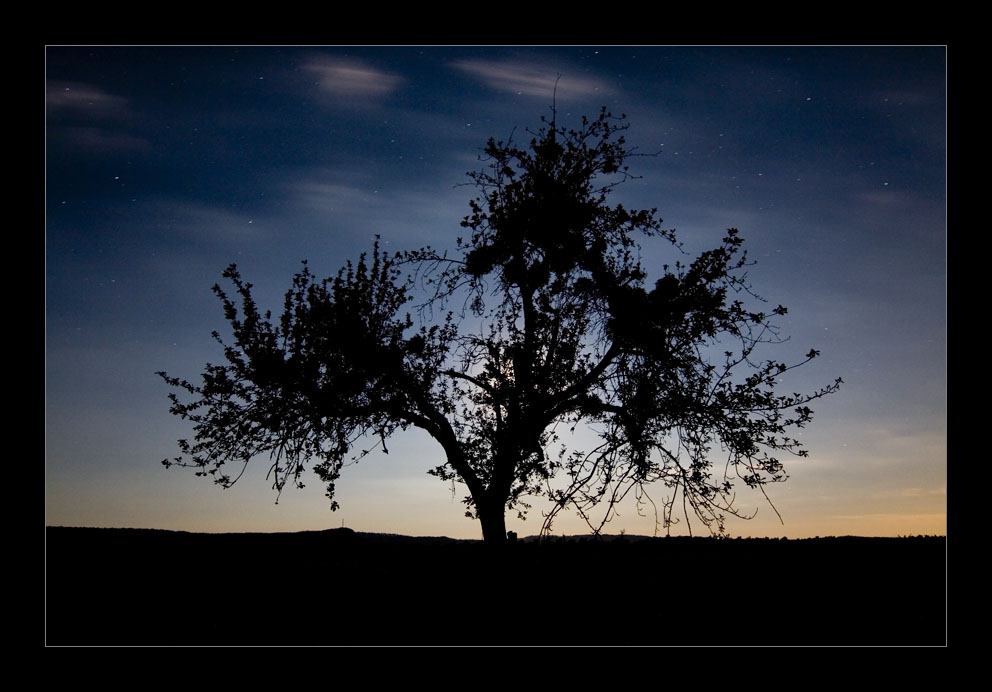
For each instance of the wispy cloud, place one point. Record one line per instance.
(84, 117)
(96, 139)
(882, 516)
(905, 97)
(187, 225)
(80, 99)
(530, 79)
(351, 78)
(361, 206)
(912, 492)
(331, 197)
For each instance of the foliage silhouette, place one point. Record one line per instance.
(570, 335)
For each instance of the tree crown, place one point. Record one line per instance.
(557, 328)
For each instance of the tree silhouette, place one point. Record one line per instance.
(667, 377)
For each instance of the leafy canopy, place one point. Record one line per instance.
(541, 321)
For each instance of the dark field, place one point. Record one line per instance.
(137, 587)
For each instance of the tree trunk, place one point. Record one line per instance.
(493, 519)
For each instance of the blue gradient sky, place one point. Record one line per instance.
(166, 164)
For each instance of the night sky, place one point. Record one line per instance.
(166, 164)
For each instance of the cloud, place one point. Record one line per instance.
(95, 139)
(79, 99)
(329, 197)
(912, 492)
(351, 78)
(530, 79)
(906, 97)
(363, 208)
(935, 517)
(84, 117)
(187, 227)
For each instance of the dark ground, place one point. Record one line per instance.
(138, 587)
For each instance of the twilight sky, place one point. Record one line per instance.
(166, 164)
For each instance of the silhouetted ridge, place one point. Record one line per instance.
(147, 586)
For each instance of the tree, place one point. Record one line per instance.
(571, 335)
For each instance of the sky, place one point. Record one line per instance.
(163, 165)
